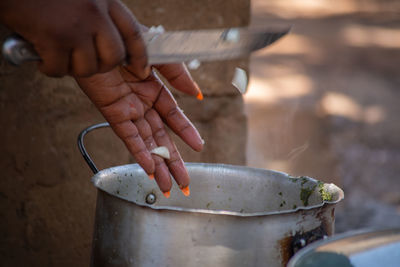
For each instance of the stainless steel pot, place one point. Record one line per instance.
(362, 248)
(235, 216)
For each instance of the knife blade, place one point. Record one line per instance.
(175, 46)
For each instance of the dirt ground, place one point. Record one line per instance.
(325, 102)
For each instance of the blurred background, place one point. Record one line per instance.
(325, 102)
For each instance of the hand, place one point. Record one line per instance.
(78, 37)
(136, 110)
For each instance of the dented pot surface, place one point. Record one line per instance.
(235, 216)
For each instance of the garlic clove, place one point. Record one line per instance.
(161, 151)
(240, 80)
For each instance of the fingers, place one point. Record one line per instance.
(175, 119)
(175, 163)
(55, 62)
(98, 54)
(161, 173)
(165, 104)
(179, 77)
(129, 29)
(127, 106)
(126, 118)
(110, 48)
(129, 134)
(120, 106)
(84, 60)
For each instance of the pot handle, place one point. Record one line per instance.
(82, 148)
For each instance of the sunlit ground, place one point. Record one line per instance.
(324, 101)
(290, 9)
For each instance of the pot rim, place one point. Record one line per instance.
(339, 194)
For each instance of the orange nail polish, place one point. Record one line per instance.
(167, 194)
(186, 190)
(151, 176)
(200, 96)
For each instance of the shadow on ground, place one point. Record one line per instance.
(324, 102)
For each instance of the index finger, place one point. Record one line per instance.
(176, 120)
(179, 77)
(135, 47)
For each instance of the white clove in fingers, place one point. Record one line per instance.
(161, 151)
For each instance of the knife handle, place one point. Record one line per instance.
(17, 50)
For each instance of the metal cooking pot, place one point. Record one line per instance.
(362, 248)
(235, 216)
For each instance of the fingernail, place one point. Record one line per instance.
(167, 194)
(186, 190)
(151, 176)
(200, 143)
(199, 94)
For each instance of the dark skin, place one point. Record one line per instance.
(78, 37)
(137, 110)
(89, 40)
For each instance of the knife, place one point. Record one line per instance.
(175, 46)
